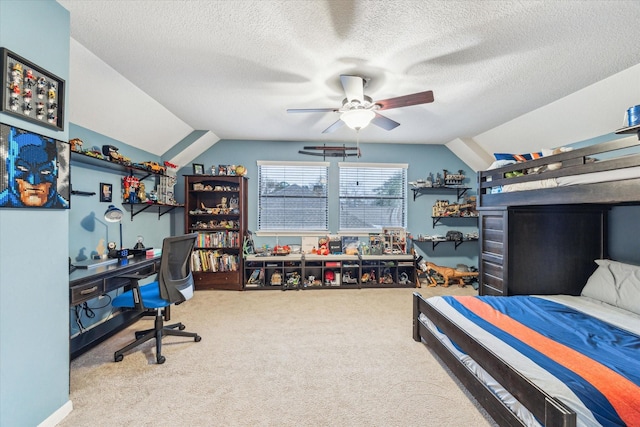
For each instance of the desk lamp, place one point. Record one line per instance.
(113, 214)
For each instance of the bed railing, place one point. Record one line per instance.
(611, 155)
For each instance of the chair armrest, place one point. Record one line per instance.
(135, 290)
(136, 276)
(135, 287)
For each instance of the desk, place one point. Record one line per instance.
(86, 284)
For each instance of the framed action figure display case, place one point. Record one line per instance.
(30, 92)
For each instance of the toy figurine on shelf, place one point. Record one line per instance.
(293, 281)
(323, 246)
(16, 74)
(14, 104)
(330, 277)
(448, 274)
(76, 143)
(15, 89)
(42, 87)
(29, 79)
(142, 195)
(26, 95)
(40, 113)
(130, 186)
(276, 278)
(51, 93)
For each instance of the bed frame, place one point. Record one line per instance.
(573, 163)
(621, 153)
(546, 408)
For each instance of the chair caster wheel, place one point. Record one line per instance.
(197, 338)
(161, 360)
(118, 357)
(181, 327)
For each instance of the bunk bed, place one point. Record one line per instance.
(606, 173)
(508, 370)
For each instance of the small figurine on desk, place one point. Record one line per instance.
(100, 249)
(139, 244)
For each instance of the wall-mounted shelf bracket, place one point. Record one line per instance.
(82, 193)
(141, 207)
(436, 219)
(166, 210)
(456, 243)
(417, 191)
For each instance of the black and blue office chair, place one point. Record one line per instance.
(174, 285)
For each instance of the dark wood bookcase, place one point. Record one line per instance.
(216, 208)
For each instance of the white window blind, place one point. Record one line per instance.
(372, 196)
(293, 196)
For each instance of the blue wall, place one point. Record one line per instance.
(34, 281)
(89, 211)
(422, 159)
(88, 178)
(623, 243)
(34, 295)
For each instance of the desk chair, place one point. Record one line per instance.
(174, 285)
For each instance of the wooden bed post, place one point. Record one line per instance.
(416, 314)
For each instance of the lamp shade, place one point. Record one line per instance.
(113, 214)
(357, 119)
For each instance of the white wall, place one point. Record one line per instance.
(589, 113)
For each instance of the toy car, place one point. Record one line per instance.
(155, 167)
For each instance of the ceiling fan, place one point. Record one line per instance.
(358, 110)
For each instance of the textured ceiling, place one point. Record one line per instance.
(234, 67)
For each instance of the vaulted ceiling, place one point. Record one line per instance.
(234, 67)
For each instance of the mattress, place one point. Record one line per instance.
(580, 350)
(587, 178)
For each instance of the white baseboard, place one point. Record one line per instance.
(58, 415)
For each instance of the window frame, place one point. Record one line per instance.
(262, 198)
(402, 186)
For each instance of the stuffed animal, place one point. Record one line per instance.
(323, 246)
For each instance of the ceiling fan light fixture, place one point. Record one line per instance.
(357, 119)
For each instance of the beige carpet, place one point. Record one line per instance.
(337, 357)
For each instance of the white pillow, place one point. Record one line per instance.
(615, 283)
(548, 152)
(500, 163)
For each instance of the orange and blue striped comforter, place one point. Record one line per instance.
(596, 363)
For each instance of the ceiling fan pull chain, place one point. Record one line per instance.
(357, 150)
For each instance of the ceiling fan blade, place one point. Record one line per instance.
(406, 101)
(353, 87)
(312, 110)
(384, 122)
(328, 148)
(335, 126)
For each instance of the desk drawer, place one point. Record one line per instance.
(87, 291)
(116, 282)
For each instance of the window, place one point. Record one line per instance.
(372, 196)
(293, 196)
